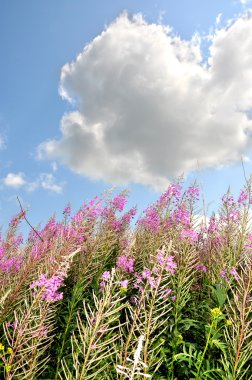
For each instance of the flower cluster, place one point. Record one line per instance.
(151, 220)
(125, 263)
(216, 312)
(190, 235)
(49, 287)
(166, 261)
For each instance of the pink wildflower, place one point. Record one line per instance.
(234, 273)
(125, 263)
(213, 225)
(124, 283)
(67, 210)
(201, 268)
(151, 220)
(223, 273)
(243, 196)
(105, 275)
(119, 202)
(181, 216)
(193, 193)
(173, 191)
(146, 273)
(190, 235)
(167, 262)
(49, 287)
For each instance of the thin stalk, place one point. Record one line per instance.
(241, 332)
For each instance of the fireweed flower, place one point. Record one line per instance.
(213, 225)
(2, 252)
(49, 287)
(181, 216)
(234, 273)
(124, 283)
(128, 216)
(193, 193)
(173, 191)
(246, 246)
(242, 199)
(105, 275)
(12, 264)
(201, 267)
(67, 210)
(223, 273)
(119, 202)
(151, 220)
(167, 262)
(232, 212)
(190, 235)
(146, 273)
(138, 282)
(125, 263)
(104, 279)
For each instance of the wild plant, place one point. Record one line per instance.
(89, 297)
(97, 331)
(150, 315)
(238, 331)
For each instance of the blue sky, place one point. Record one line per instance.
(161, 90)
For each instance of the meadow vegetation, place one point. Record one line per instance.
(92, 297)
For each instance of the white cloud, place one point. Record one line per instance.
(245, 2)
(149, 107)
(14, 180)
(45, 181)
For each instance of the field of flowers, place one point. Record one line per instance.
(91, 297)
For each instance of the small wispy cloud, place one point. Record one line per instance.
(218, 19)
(46, 181)
(14, 180)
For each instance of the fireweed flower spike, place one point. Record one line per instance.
(49, 287)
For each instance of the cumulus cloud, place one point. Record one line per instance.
(148, 107)
(45, 181)
(14, 180)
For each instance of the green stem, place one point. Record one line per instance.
(204, 352)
